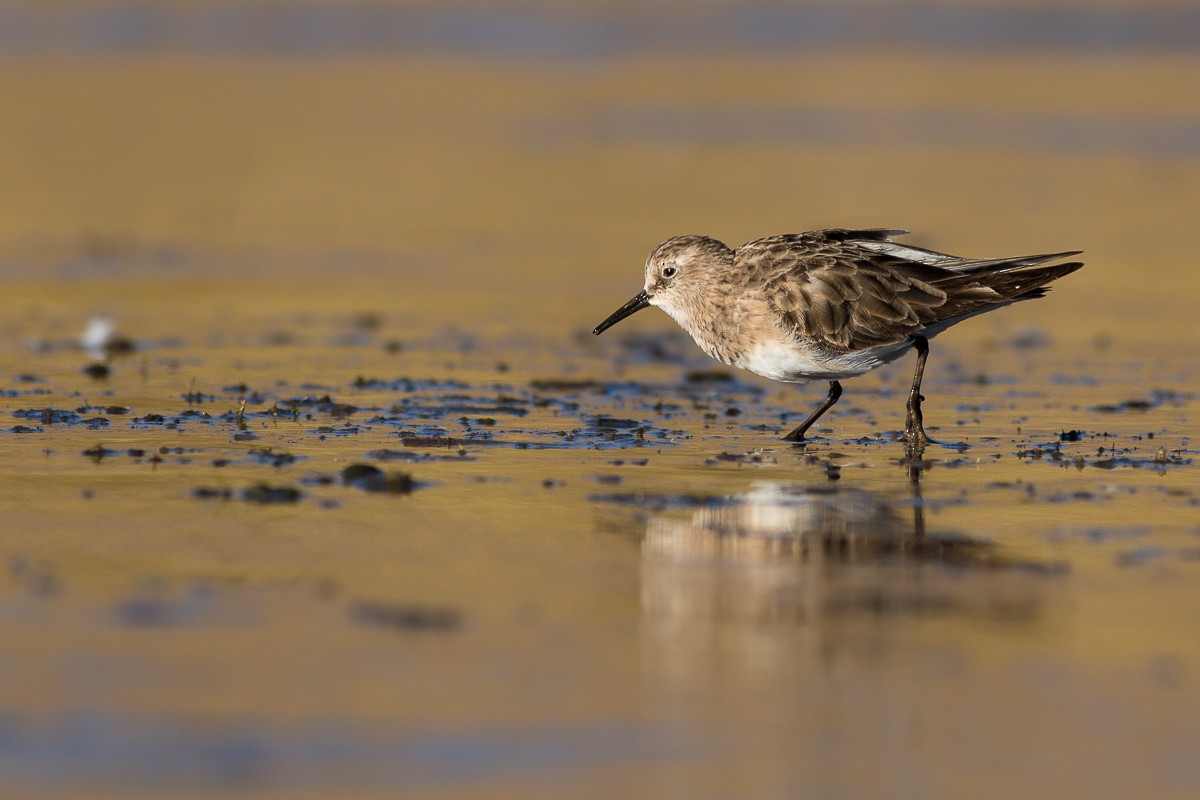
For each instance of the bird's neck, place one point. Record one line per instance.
(715, 323)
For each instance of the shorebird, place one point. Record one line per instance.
(829, 304)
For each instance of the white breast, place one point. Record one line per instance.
(795, 363)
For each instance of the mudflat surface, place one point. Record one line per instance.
(360, 507)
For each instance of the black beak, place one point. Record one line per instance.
(636, 304)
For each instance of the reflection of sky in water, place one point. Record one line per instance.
(152, 752)
(563, 31)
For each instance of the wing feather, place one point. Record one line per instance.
(846, 290)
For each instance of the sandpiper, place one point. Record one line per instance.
(829, 304)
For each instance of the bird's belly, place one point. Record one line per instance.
(794, 363)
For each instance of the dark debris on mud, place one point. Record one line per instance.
(659, 501)
(259, 493)
(365, 477)
(372, 479)
(266, 494)
(754, 458)
(566, 413)
(387, 454)
(1105, 457)
(406, 617)
(271, 457)
(1157, 398)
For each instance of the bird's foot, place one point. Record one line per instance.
(914, 422)
(914, 445)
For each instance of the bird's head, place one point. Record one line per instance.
(678, 273)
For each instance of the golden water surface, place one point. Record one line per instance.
(592, 569)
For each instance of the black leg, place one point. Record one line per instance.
(914, 421)
(835, 391)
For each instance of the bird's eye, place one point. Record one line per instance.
(669, 272)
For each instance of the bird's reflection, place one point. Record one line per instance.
(780, 521)
(828, 560)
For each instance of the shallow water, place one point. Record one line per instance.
(591, 580)
(363, 508)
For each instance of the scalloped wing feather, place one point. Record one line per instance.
(826, 288)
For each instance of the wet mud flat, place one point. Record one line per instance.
(326, 556)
